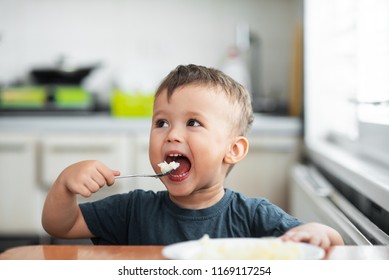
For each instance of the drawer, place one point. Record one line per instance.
(59, 151)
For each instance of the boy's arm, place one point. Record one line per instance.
(61, 216)
(314, 233)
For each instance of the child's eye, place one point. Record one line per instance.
(161, 123)
(193, 123)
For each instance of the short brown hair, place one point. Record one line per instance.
(200, 75)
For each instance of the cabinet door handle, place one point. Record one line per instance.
(12, 147)
(274, 148)
(374, 102)
(80, 149)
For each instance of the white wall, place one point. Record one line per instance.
(142, 38)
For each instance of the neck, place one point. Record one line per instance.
(200, 199)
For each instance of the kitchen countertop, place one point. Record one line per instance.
(263, 124)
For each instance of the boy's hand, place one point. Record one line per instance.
(87, 177)
(315, 234)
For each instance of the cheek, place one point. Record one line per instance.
(209, 148)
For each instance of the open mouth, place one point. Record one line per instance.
(185, 165)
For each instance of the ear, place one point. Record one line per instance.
(237, 150)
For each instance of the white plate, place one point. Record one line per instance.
(241, 248)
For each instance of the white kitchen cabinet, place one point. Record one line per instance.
(31, 162)
(264, 171)
(21, 197)
(59, 150)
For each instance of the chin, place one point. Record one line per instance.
(177, 190)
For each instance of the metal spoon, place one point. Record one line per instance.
(145, 175)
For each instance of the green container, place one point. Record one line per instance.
(135, 104)
(72, 98)
(23, 98)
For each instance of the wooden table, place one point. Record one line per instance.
(90, 252)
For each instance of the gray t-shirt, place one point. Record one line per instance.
(148, 218)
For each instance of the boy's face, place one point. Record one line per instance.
(194, 129)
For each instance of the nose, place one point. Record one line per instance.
(174, 135)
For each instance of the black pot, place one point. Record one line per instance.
(50, 76)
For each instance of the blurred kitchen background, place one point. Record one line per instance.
(130, 45)
(77, 80)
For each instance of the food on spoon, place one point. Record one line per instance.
(269, 248)
(166, 167)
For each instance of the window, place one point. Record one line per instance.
(347, 73)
